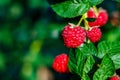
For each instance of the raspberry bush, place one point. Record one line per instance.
(87, 59)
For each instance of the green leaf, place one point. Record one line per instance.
(91, 2)
(87, 67)
(80, 60)
(85, 76)
(116, 59)
(85, 1)
(95, 2)
(108, 47)
(76, 61)
(72, 61)
(89, 49)
(89, 64)
(79, 63)
(70, 9)
(112, 49)
(105, 70)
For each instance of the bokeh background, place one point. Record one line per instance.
(30, 38)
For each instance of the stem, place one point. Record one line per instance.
(95, 9)
(83, 16)
(87, 28)
(86, 24)
(88, 41)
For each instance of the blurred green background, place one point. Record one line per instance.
(30, 38)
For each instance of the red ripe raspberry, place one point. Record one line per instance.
(60, 63)
(101, 19)
(114, 78)
(94, 34)
(73, 36)
(91, 13)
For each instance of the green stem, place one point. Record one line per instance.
(95, 9)
(87, 28)
(86, 24)
(83, 16)
(88, 41)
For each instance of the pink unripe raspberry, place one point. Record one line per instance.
(94, 34)
(73, 36)
(114, 78)
(60, 63)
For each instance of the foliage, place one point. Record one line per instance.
(74, 8)
(30, 37)
(82, 60)
(88, 61)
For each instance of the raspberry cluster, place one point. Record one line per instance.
(75, 35)
(101, 18)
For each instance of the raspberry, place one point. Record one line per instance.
(114, 78)
(60, 63)
(91, 14)
(94, 34)
(101, 19)
(73, 36)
